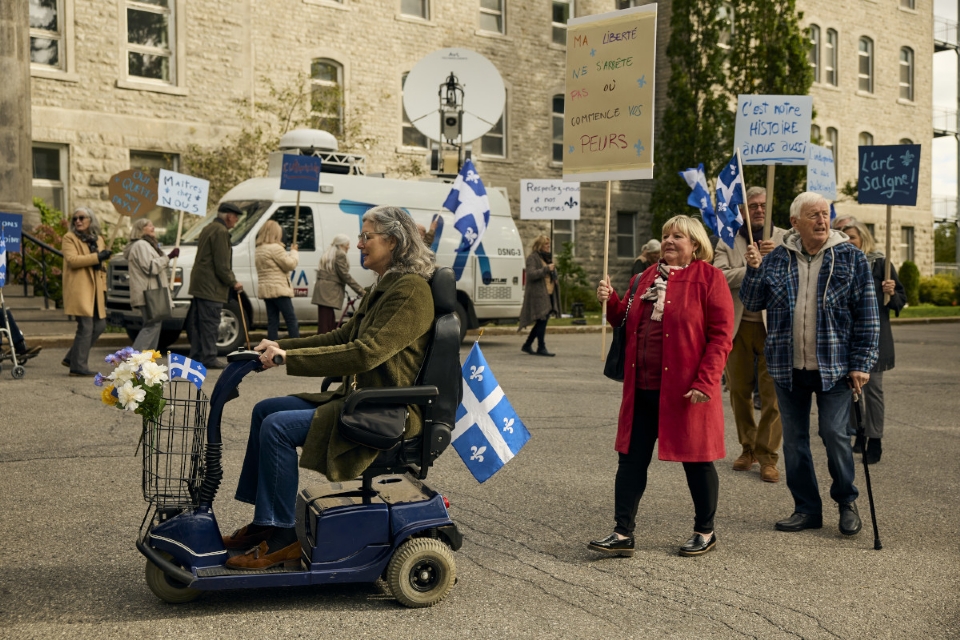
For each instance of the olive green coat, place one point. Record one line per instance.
(212, 275)
(382, 345)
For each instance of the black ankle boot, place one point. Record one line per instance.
(527, 348)
(542, 351)
(874, 450)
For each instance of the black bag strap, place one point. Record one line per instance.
(633, 292)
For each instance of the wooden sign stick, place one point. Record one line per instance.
(768, 219)
(886, 262)
(296, 219)
(173, 265)
(746, 209)
(606, 263)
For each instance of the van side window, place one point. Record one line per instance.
(306, 238)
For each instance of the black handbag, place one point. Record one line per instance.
(157, 305)
(613, 365)
(378, 426)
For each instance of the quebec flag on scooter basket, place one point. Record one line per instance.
(488, 432)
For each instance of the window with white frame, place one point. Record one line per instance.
(494, 142)
(492, 16)
(814, 53)
(815, 134)
(411, 136)
(865, 67)
(906, 243)
(865, 139)
(150, 40)
(326, 95)
(830, 57)
(46, 33)
(562, 12)
(416, 8)
(563, 232)
(906, 73)
(50, 175)
(151, 162)
(557, 117)
(725, 18)
(908, 4)
(832, 142)
(627, 234)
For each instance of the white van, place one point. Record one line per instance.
(489, 283)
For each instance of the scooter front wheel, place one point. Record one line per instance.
(421, 572)
(166, 588)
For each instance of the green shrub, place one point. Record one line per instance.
(939, 290)
(910, 279)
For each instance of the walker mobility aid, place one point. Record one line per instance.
(387, 524)
(5, 332)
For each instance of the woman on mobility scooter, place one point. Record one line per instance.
(383, 345)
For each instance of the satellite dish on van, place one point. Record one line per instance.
(308, 139)
(454, 94)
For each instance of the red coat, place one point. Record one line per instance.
(698, 336)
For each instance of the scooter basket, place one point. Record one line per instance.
(174, 448)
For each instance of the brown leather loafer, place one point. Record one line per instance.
(769, 473)
(241, 539)
(258, 558)
(744, 462)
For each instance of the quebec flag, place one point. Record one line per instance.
(470, 205)
(184, 367)
(3, 260)
(488, 432)
(699, 195)
(729, 195)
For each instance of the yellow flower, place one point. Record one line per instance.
(107, 397)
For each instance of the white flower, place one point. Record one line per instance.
(123, 373)
(141, 358)
(153, 373)
(130, 396)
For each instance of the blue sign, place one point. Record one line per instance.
(889, 174)
(10, 225)
(300, 173)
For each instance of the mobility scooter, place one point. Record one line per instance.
(387, 524)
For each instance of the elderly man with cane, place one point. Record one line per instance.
(822, 335)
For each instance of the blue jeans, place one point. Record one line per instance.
(276, 306)
(833, 409)
(269, 478)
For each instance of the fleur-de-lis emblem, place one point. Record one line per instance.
(733, 169)
(477, 453)
(508, 425)
(907, 158)
(470, 235)
(476, 373)
(571, 202)
(472, 176)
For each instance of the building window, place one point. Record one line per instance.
(830, 57)
(50, 175)
(906, 243)
(626, 4)
(416, 8)
(494, 142)
(626, 234)
(832, 142)
(491, 16)
(150, 36)
(151, 162)
(563, 232)
(725, 18)
(562, 12)
(865, 69)
(906, 73)
(814, 54)
(908, 4)
(46, 33)
(815, 134)
(865, 139)
(557, 115)
(411, 136)
(871, 227)
(906, 141)
(326, 95)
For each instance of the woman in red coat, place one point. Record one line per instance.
(679, 329)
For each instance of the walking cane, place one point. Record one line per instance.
(246, 336)
(861, 436)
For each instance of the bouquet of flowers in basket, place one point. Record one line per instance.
(136, 383)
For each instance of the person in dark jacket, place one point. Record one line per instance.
(872, 399)
(210, 283)
(541, 296)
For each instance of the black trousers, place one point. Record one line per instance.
(203, 324)
(631, 479)
(538, 333)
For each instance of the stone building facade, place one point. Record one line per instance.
(122, 83)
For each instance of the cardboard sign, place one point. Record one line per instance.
(822, 172)
(889, 174)
(183, 193)
(549, 200)
(608, 107)
(11, 225)
(773, 129)
(300, 173)
(133, 193)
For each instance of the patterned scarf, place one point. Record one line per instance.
(658, 290)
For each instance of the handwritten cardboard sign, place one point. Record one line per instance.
(549, 200)
(773, 129)
(133, 193)
(300, 173)
(183, 193)
(889, 174)
(608, 107)
(821, 172)
(11, 225)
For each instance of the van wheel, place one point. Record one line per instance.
(462, 317)
(421, 572)
(230, 335)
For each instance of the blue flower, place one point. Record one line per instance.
(98, 379)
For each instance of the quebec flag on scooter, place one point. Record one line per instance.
(488, 432)
(471, 208)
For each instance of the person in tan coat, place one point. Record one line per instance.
(274, 265)
(84, 286)
(333, 276)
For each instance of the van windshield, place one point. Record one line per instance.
(252, 210)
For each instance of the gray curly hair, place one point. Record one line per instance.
(410, 255)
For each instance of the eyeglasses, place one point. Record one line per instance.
(365, 236)
(78, 218)
(757, 206)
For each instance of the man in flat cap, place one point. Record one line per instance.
(210, 283)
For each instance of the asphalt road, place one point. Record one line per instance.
(72, 504)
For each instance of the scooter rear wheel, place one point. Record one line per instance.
(166, 588)
(421, 572)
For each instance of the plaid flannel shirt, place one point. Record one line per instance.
(848, 320)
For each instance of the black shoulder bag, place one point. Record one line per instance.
(613, 366)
